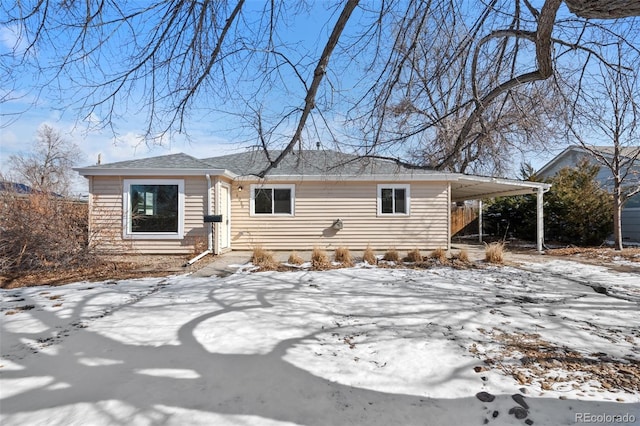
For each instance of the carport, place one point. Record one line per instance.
(464, 187)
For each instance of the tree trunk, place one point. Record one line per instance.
(604, 9)
(617, 218)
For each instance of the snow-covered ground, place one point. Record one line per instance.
(356, 346)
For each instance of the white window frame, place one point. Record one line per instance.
(252, 204)
(127, 233)
(394, 186)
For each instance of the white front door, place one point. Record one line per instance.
(225, 209)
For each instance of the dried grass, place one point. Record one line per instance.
(392, 256)
(541, 360)
(494, 253)
(263, 259)
(320, 260)
(105, 267)
(461, 260)
(462, 256)
(295, 259)
(599, 253)
(369, 256)
(414, 256)
(439, 255)
(343, 256)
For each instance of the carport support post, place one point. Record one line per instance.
(540, 219)
(480, 221)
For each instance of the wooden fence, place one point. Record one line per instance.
(464, 220)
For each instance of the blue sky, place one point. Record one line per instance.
(209, 133)
(18, 137)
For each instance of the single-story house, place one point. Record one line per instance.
(313, 198)
(574, 154)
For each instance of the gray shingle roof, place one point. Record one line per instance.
(565, 158)
(171, 161)
(307, 162)
(296, 163)
(317, 163)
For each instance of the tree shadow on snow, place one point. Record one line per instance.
(188, 383)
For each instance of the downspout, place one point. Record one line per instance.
(448, 215)
(209, 249)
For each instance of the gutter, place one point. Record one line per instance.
(209, 249)
(124, 171)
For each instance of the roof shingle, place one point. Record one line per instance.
(309, 163)
(171, 161)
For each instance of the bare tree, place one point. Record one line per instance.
(434, 94)
(169, 56)
(478, 92)
(610, 116)
(48, 167)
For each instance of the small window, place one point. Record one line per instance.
(393, 199)
(153, 208)
(272, 200)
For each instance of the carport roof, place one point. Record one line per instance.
(467, 187)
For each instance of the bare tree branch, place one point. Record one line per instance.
(318, 75)
(544, 71)
(403, 76)
(604, 9)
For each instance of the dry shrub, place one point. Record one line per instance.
(343, 256)
(369, 256)
(295, 259)
(494, 253)
(463, 256)
(320, 259)
(414, 256)
(439, 255)
(40, 232)
(461, 259)
(263, 259)
(392, 256)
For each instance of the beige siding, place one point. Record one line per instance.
(107, 218)
(319, 204)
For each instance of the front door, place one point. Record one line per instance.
(225, 209)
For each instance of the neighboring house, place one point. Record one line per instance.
(573, 154)
(313, 198)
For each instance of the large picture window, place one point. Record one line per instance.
(272, 200)
(153, 208)
(393, 199)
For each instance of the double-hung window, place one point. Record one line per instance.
(153, 208)
(272, 200)
(393, 199)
